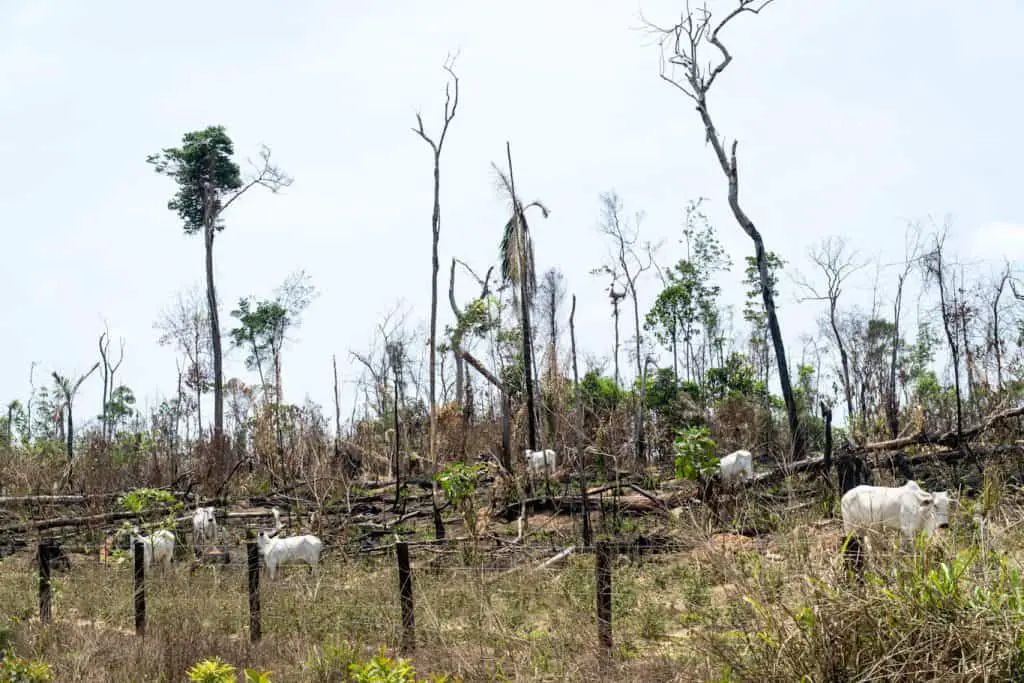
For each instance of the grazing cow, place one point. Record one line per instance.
(159, 547)
(539, 461)
(737, 465)
(908, 509)
(277, 551)
(204, 527)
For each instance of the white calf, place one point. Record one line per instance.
(736, 465)
(908, 509)
(537, 461)
(158, 547)
(290, 550)
(204, 526)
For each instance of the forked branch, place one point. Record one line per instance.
(451, 105)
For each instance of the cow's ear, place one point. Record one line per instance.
(926, 501)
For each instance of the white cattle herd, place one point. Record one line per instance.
(908, 509)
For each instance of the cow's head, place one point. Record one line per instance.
(940, 509)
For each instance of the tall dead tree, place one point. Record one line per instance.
(935, 268)
(627, 260)
(832, 259)
(580, 450)
(109, 369)
(550, 299)
(994, 340)
(683, 67)
(892, 398)
(451, 104)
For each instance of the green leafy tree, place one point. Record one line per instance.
(209, 181)
(120, 406)
(754, 310)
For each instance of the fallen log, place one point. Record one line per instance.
(86, 520)
(948, 439)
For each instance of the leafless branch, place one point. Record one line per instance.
(451, 105)
(265, 174)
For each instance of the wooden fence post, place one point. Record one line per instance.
(253, 561)
(45, 613)
(405, 591)
(603, 575)
(140, 588)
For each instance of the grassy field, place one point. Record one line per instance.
(721, 607)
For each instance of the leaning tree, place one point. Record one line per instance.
(684, 67)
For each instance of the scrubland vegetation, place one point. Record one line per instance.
(710, 582)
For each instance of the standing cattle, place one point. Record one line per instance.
(539, 463)
(736, 465)
(204, 527)
(908, 509)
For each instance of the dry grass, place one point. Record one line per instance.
(728, 608)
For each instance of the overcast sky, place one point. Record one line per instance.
(853, 119)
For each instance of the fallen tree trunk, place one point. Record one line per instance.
(43, 524)
(948, 439)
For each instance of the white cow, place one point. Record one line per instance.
(537, 461)
(277, 551)
(204, 526)
(908, 509)
(158, 547)
(737, 465)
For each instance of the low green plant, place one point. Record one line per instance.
(144, 500)
(211, 671)
(15, 669)
(458, 481)
(382, 669)
(695, 457)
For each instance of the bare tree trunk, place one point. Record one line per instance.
(641, 373)
(524, 306)
(683, 41)
(948, 324)
(580, 451)
(106, 387)
(215, 343)
(892, 400)
(996, 340)
(456, 340)
(450, 106)
(337, 416)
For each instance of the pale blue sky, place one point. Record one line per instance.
(853, 118)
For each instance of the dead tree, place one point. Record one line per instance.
(935, 268)
(451, 104)
(616, 296)
(994, 340)
(836, 265)
(396, 359)
(108, 378)
(506, 409)
(627, 260)
(892, 403)
(680, 47)
(580, 450)
(552, 295)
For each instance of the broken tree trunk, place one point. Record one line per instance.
(506, 409)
